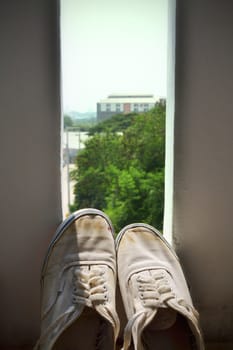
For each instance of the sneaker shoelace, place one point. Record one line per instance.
(154, 292)
(90, 288)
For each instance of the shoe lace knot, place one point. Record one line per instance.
(154, 290)
(90, 289)
(89, 286)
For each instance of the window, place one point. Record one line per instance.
(145, 107)
(135, 107)
(103, 66)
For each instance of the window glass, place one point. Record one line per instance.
(114, 60)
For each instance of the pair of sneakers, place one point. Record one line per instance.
(79, 279)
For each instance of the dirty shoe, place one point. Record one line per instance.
(154, 292)
(78, 285)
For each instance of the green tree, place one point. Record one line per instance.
(136, 196)
(91, 175)
(122, 172)
(68, 121)
(116, 123)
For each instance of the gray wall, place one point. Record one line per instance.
(30, 205)
(203, 170)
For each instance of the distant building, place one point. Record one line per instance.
(123, 104)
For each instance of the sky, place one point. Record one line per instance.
(112, 46)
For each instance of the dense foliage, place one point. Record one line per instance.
(122, 172)
(116, 123)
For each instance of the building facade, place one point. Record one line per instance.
(123, 104)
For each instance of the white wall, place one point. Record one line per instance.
(203, 170)
(30, 205)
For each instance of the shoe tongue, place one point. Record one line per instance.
(164, 319)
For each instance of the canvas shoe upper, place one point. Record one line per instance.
(78, 285)
(155, 293)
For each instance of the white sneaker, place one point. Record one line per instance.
(154, 292)
(78, 286)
